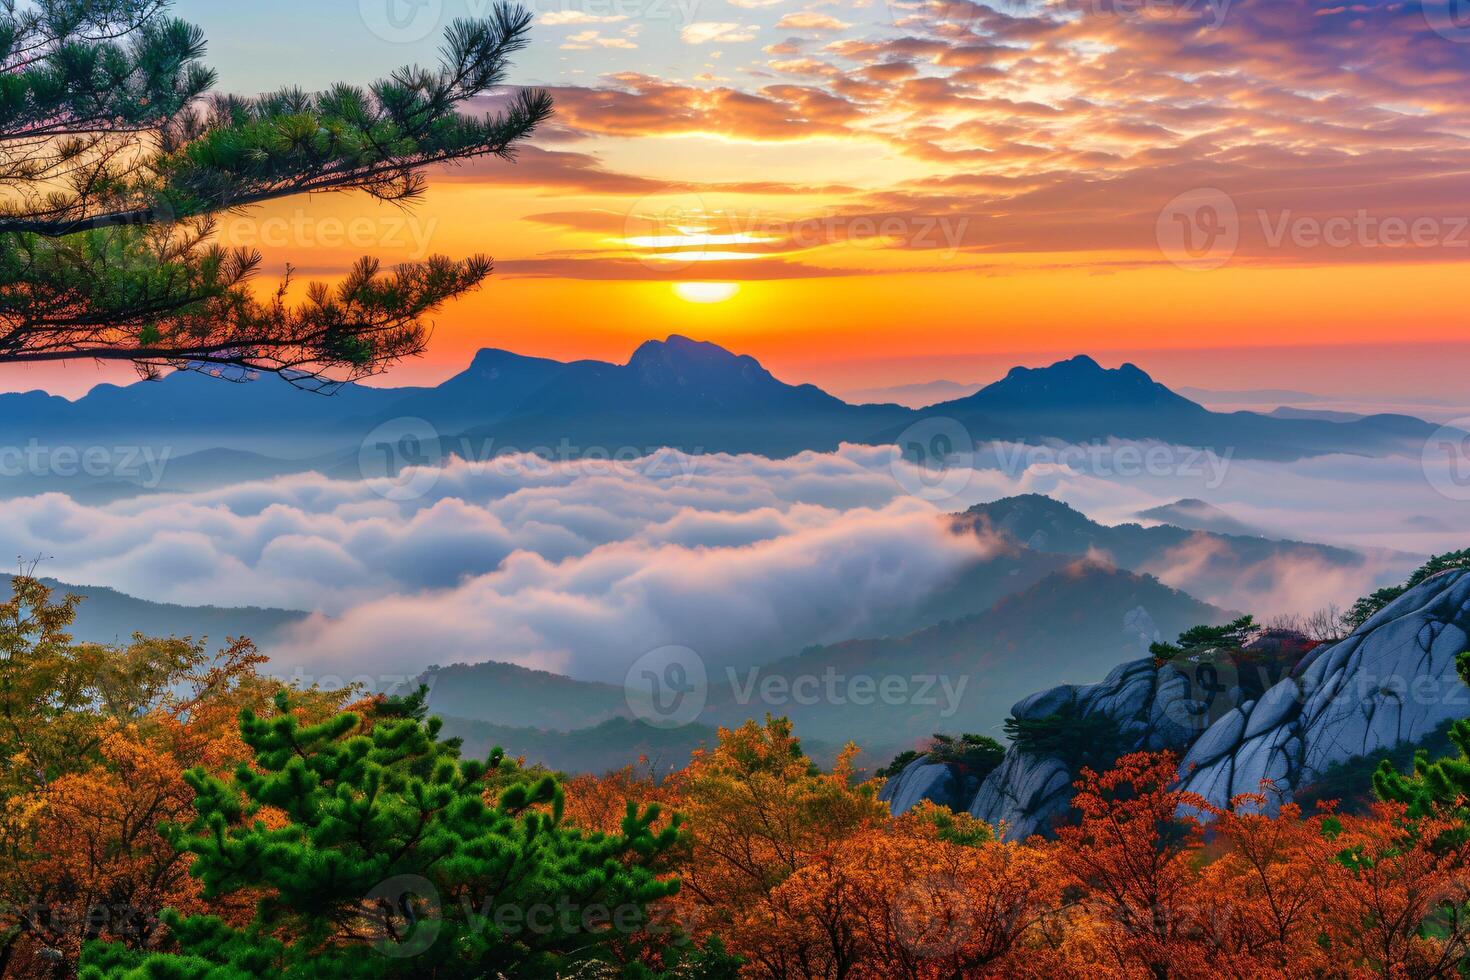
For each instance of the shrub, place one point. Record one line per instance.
(1368, 606)
(1076, 738)
(977, 756)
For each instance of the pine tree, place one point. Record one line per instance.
(114, 160)
(1437, 787)
(373, 850)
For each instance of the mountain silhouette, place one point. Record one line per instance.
(1076, 384)
(677, 392)
(1080, 401)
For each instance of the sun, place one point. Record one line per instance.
(706, 292)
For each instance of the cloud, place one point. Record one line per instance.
(559, 18)
(1296, 582)
(559, 170)
(1069, 127)
(582, 566)
(586, 40)
(594, 615)
(710, 32)
(809, 20)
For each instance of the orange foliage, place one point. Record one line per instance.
(758, 810)
(97, 867)
(94, 743)
(1131, 858)
(902, 902)
(1393, 879)
(601, 802)
(804, 875)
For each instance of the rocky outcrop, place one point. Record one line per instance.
(1148, 708)
(1392, 681)
(922, 780)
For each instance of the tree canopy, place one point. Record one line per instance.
(116, 160)
(372, 849)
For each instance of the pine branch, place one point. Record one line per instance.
(115, 160)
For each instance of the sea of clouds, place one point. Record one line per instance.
(580, 567)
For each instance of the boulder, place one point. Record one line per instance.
(921, 781)
(1028, 793)
(1219, 739)
(1392, 681)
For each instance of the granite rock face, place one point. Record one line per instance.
(1393, 680)
(919, 781)
(1150, 708)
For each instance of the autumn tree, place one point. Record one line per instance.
(1401, 904)
(371, 850)
(115, 161)
(1130, 858)
(758, 810)
(1261, 899)
(600, 802)
(1266, 892)
(927, 896)
(94, 742)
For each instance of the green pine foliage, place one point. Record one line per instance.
(117, 158)
(977, 755)
(1068, 734)
(1230, 636)
(899, 764)
(980, 754)
(370, 849)
(1436, 786)
(1366, 607)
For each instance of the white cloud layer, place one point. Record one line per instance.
(581, 567)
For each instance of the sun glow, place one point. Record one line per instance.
(706, 292)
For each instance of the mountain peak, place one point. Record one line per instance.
(1080, 382)
(489, 357)
(1035, 520)
(1194, 514)
(681, 363)
(677, 348)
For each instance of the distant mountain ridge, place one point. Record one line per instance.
(1045, 524)
(1075, 384)
(1064, 598)
(1078, 400)
(686, 394)
(1197, 515)
(108, 616)
(1208, 564)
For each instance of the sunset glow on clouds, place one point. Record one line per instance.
(928, 177)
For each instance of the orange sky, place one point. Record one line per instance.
(908, 190)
